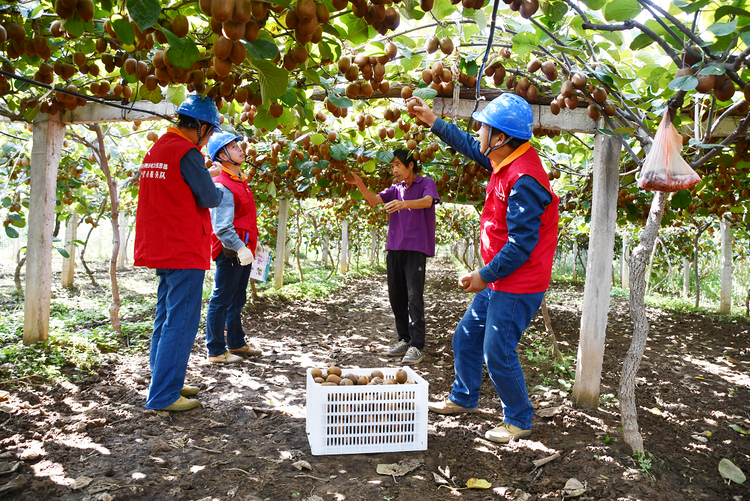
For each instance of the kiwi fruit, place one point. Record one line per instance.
(334, 370)
(222, 10)
(571, 102)
(550, 70)
(567, 89)
(327, 383)
(593, 112)
(579, 81)
(390, 380)
(377, 380)
(431, 44)
(692, 55)
(376, 373)
(391, 50)
(276, 110)
(363, 380)
(446, 46)
(528, 8)
(534, 66)
(305, 10)
(726, 91)
(401, 376)
(333, 378)
(609, 109)
(346, 382)
(426, 5)
(406, 92)
(684, 71)
(344, 64)
(319, 380)
(222, 47)
(599, 95)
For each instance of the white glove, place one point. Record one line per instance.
(245, 255)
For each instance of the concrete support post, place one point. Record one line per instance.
(725, 294)
(69, 263)
(123, 253)
(596, 292)
(624, 262)
(685, 277)
(344, 259)
(278, 268)
(48, 136)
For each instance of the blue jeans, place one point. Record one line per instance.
(225, 307)
(489, 332)
(178, 310)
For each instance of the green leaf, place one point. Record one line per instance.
(63, 252)
(289, 98)
(425, 93)
(555, 11)
(340, 101)
(690, 7)
(176, 94)
(687, 83)
(76, 26)
(317, 139)
(524, 43)
(273, 80)
(182, 51)
(339, 152)
(622, 10)
(478, 16)
(369, 166)
(271, 189)
(641, 42)
(262, 49)
(729, 471)
(124, 31)
(595, 4)
(721, 29)
(155, 96)
(713, 70)
(442, 9)
(106, 5)
(681, 199)
(264, 120)
(729, 10)
(323, 182)
(145, 13)
(411, 63)
(606, 132)
(358, 31)
(384, 156)
(11, 232)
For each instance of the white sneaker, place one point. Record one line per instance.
(413, 356)
(225, 358)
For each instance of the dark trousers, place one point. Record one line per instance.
(406, 274)
(225, 307)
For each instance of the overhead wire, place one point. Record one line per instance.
(484, 63)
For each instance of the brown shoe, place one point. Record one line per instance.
(505, 433)
(225, 358)
(448, 407)
(246, 350)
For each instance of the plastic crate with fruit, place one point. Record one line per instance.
(367, 418)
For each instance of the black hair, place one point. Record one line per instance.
(192, 123)
(406, 158)
(513, 142)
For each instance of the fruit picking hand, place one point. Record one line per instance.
(423, 111)
(352, 178)
(215, 169)
(472, 282)
(259, 248)
(246, 256)
(395, 206)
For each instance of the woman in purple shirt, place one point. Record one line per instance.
(411, 240)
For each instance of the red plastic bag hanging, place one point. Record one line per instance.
(664, 168)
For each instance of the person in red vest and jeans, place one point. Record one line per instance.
(173, 236)
(235, 234)
(519, 236)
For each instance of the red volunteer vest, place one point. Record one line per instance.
(171, 231)
(245, 216)
(534, 275)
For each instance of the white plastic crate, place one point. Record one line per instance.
(368, 418)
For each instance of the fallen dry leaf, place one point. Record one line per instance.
(81, 482)
(400, 469)
(478, 483)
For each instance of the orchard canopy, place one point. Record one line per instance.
(317, 87)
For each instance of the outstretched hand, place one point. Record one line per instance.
(423, 111)
(215, 169)
(352, 178)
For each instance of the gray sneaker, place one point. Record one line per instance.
(398, 349)
(413, 356)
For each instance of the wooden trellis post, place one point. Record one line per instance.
(48, 136)
(725, 293)
(123, 225)
(685, 277)
(598, 271)
(69, 263)
(278, 265)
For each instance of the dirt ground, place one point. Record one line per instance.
(94, 440)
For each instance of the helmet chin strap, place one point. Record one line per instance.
(201, 137)
(490, 149)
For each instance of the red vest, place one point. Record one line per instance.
(171, 231)
(534, 275)
(245, 217)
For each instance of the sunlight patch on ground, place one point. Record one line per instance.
(196, 468)
(54, 471)
(83, 442)
(723, 372)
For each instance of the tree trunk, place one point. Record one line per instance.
(124, 233)
(550, 332)
(698, 234)
(725, 294)
(624, 268)
(344, 256)
(114, 308)
(19, 285)
(685, 277)
(628, 409)
(575, 260)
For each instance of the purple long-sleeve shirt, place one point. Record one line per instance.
(412, 229)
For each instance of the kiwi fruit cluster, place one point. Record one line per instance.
(333, 376)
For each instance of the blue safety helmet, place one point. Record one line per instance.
(200, 108)
(218, 141)
(510, 114)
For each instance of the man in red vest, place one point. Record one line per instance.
(519, 237)
(235, 233)
(173, 236)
